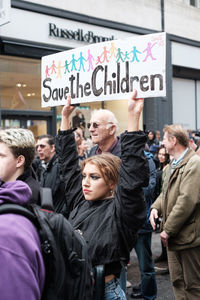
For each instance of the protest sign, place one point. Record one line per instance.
(106, 71)
(5, 7)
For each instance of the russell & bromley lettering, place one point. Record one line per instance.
(77, 35)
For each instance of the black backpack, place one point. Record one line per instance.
(68, 269)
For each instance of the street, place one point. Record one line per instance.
(164, 286)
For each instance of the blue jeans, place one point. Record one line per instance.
(113, 291)
(148, 277)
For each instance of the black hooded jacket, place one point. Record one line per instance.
(109, 226)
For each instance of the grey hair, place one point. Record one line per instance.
(111, 118)
(21, 142)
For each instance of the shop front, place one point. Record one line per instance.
(36, 30)
(28, 36)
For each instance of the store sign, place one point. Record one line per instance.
(4, 11)
(106, 71)
(78, 35)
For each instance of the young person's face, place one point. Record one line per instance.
(8, 164)
(93, 184)
(150, 135)
(162, 155)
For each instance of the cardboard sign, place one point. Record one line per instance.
(106, 71)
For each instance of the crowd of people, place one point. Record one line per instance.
(114, 190)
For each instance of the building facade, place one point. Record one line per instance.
(38, 28)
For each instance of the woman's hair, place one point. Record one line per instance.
(108, 165)
(154, 134)
(167, 158)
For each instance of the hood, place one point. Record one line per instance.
(148, 154)
(17, 192)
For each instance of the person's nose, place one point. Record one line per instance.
(91, 129)
(86, 181)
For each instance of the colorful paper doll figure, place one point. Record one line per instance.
(53, 67)
(59, 70)
(90, 59)
(113, 49)
(73, 62)
(47, 69)
(126, 56)
(105, 55)
(135, 52)
(148, 50)
(119, 55)
(66, 67)
(98, 60)
(81, 59)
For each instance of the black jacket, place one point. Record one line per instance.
(108, 226)
(29, 177)
(50, 177)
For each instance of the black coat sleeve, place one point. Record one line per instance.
(69, 169)
(133, 176)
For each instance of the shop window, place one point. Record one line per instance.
(195, 3)
(20, 83)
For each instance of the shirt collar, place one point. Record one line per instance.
(177, 161)
(99, 151)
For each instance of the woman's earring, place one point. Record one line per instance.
(111, 192)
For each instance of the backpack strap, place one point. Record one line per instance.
(10, 208)
(46, 198)
(99, 278)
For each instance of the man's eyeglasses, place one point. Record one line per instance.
(42, 146)
(94, 124)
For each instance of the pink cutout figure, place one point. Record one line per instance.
(90, 59)
(148, 50)
(98, 60)
(47, 71)
(105, 55)
(53, 67)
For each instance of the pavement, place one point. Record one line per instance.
(164, 286)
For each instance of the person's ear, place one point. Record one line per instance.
(112, 129)
(112, 186)
(174, 140)
(20, 161)
(53, 148)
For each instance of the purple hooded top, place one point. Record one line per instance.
(21, 264)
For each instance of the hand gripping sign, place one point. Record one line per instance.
(106, 71)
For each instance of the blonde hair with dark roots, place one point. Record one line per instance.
(179, 132)
(21, 142)
(107, 164)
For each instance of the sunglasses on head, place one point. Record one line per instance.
(94, 124)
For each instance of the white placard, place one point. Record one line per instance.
(4, 11)
(106, 71)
